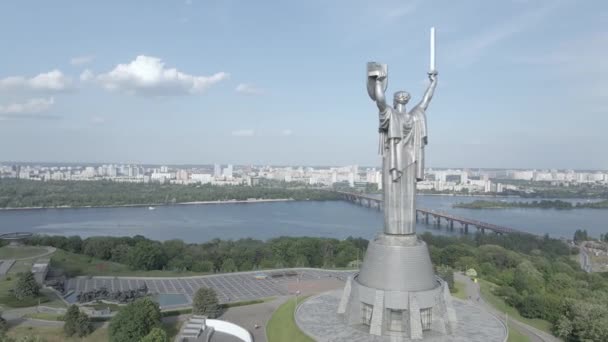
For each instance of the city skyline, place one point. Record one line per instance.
(275, 165)
(181, 83)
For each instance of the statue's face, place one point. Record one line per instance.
(402, 97)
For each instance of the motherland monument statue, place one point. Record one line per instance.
(396, 292)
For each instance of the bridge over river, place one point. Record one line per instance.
(434, 217)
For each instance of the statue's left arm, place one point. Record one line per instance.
(428, 95)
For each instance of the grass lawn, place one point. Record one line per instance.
(18, 252)
(55, 334)
(500, 305)
(7, 299)
(460, 290)
(47, 297)
(516, 336)
(45, 316)
(21, 266)
(79, 264)
(103, 306)
(282, 326)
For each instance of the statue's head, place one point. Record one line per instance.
(401, 97)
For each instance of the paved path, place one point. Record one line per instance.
(49, 251)
(230, 287)
(6, 265)
(474, 294)
(585, 259)
(250, 315)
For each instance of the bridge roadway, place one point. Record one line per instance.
(436, 216)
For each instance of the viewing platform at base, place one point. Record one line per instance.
(317, 317)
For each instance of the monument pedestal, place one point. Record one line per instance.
(396, 292)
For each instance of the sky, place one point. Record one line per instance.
(522, 84)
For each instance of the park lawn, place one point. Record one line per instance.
(21, 266)
(500, 305)
(79, 264)
(55, 334)
(460, 290)
(45, 316)
(7, 299)
(103, 306)
(19, 252)
(516, 336)
(282, 326)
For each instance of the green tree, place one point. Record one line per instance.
(26, 286)
(135, 321)
(203, 266)
(206, 303)
(76, 322)
(447, 274)
(84, 325)
(147, 256)
(155, 335)
(229, 266)
(580, 235)
(71, 318)
(527, 278)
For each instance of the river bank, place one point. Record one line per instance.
(543, 204)
(152, 205)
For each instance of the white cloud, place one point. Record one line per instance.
(53, 80)
(249, 89)
(286, 132)
(81, 60)
(87, 75)
(148, 76)
(36, 105)
(188, 2)
(243, 133)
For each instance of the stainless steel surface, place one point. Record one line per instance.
(396, 292)
(403, 136)
(410, 267)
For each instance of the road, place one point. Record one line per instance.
(474, 294)
(584, 259)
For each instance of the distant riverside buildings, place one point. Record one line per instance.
(450, 180)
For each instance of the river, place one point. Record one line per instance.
(336, 219)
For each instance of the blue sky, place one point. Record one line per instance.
(521, 83)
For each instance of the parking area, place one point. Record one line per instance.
(230, 287)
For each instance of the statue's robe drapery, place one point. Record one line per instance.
(402, 140)
(419, 116)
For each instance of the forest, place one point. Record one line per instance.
(16, 193)
(543, 204)
(538, 276)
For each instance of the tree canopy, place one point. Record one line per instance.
(26, 286)
(135, 321)
(205, 302)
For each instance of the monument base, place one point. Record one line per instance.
(317, 317)
(396, 293)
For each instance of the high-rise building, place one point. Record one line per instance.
(227, 173)
(217, 171)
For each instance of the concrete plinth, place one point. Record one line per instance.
(396, 293)
(318, 318)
